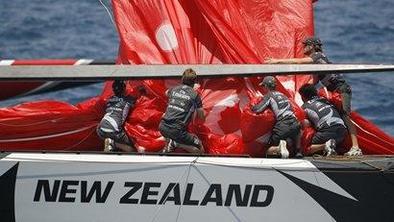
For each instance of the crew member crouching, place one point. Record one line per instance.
(183, 101)
(330, 128)
(287, 128)
(111, 127)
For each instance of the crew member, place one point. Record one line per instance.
(333, 82)
(287, 128)
(183, 102)
(111, 126)
(330, 128)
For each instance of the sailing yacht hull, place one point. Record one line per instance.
(100, 187)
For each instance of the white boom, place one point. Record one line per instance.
(101, 72)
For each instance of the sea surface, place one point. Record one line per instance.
(353, 31)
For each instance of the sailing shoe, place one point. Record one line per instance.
(354, 151)
(170, 146)
(330, 147)
(284, 153)
(109, 145)
(299, 155)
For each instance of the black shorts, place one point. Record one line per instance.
(117, 136)
(287, 128)
(336, 132)
(179, 135)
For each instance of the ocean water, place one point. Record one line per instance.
(353, 31)
(362, 31)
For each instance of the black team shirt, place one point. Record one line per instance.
(183, 100)
(330, 81)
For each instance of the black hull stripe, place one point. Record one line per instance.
(7, 194)
(373, 190)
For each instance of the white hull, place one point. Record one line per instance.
(99, 187)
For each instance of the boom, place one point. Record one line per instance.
(104, 72)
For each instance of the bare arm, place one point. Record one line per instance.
(200, 114)
(262, 105)
(305, 60)
(199, 110)
(306, 123)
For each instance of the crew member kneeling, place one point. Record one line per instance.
(330, 128)
(183, 101)
(287, 128)
(111, 126)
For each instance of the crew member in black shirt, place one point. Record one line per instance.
(330, 128)
(110, 127)
(333, 82)
(287, 127)
(183, 102)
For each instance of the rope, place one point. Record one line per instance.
(32, 124)
(83, 140)
(109, 13)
